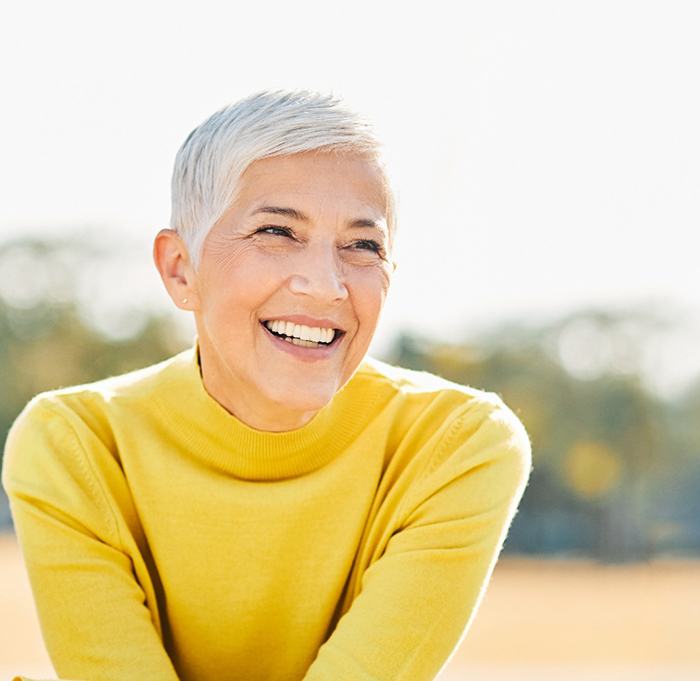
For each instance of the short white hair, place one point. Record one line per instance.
(217, 152)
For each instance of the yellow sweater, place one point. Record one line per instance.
(164, 539)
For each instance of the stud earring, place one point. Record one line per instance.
(184, 300)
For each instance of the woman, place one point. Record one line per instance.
(271, 503)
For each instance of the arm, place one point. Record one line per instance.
(92, 611)
(420, 597)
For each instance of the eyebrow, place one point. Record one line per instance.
(286, 212)
(295, 214)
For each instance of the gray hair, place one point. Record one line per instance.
(216, 153)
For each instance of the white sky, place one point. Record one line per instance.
(547, 154)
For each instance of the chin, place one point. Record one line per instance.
(300, 400)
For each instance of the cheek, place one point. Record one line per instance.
(243, 284)
(369, 288)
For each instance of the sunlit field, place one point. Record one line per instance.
(540, 620)
(571, 620)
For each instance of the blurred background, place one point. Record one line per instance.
(546, 157)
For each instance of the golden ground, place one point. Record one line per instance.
(540, 620)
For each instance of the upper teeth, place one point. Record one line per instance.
(310, 333)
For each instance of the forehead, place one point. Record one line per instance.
(315, 180)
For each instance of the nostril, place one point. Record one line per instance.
(322, 283)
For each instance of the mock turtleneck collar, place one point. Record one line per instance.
(222, 441)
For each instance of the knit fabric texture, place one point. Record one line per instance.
(165, 539)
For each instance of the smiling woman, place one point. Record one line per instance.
(304, 243)
(272, 503)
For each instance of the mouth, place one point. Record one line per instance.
(299, 335)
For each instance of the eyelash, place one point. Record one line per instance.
(285, 231)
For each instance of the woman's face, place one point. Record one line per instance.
(290, 285)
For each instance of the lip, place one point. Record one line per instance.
(302, 353)
(307, 321)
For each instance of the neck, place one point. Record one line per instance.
(255, 413)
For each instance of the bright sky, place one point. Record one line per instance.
(547, 154)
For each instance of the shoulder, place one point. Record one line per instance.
(81, 399)
(139, 383)
(407, 380)
(467, 426)
(459, 403)
(55, 424)
(419, 391)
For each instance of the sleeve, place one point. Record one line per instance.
(92, 610)
(419, 598)
(26, 678)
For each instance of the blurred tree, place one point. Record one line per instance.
(46, 340)
(600, 436)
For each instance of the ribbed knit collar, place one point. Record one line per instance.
(222, 441)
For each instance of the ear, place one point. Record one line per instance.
(175, 268)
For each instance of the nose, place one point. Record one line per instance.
(319, 274)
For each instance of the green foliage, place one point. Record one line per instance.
(46, 340)
(610, 457)
(48, 347)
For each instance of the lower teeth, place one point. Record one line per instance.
(303, 343)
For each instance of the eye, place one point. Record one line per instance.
(275, 229)
(368, 245)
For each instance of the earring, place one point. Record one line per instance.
(184, 300)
